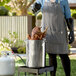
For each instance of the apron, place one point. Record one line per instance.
(56, 37)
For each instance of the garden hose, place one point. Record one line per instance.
(21, 59)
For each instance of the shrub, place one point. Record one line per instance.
(3, 11)
(74, 15)
(4, 47)
(22, 49)
(30, 13)
(15, 43)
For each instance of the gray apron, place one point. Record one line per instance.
(56, 36)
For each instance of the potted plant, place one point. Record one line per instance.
(15, 43)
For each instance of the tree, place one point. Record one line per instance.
(5, 4)
(21, 6)
(4, 7)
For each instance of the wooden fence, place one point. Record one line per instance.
(20, 24)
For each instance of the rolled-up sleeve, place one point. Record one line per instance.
(67, 9)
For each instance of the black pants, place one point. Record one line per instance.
(65, 62)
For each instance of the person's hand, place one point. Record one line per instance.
(71, 37)
(36, 7)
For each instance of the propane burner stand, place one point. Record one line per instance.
(35, 71)
(35, 59)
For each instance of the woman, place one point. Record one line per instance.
(55, 14)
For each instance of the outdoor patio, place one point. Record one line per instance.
(14, 28)
(60, 71)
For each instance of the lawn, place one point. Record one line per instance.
(60, 71)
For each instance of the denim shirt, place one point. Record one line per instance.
(63, 4)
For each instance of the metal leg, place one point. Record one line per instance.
(18, 73)
(37, 74)
(25, 73)
(46, 73)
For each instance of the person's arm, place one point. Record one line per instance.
(70, 24)
(37, 6)
(67, 11)
(69, 21)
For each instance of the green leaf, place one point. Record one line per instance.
(8, 7)
(2, 3)
(15, 34)
(5, 40)
(7, 1)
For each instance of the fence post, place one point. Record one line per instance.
(31, 24)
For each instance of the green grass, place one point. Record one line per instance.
(60, 71)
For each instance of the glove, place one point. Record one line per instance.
(71, 37)
(71, 28)
(36, 7)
